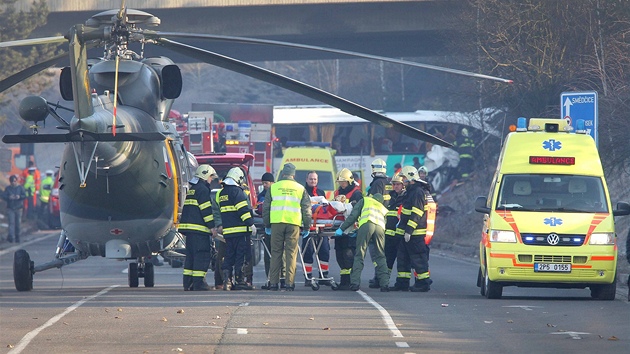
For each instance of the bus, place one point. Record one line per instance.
(357, 142)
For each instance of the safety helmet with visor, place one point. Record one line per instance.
(237, 175)
(379, 166)
(345, 175)
(205, 172)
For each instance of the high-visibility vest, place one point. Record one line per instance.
(431, 216)
(29, 185)
(46, 189)
(372, 211)
(286, 208)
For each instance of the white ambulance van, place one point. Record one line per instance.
(548, 219)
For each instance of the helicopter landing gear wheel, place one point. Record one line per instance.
(22, 271)
(133, 274)
(149, 275)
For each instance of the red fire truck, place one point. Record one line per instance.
(239, 130)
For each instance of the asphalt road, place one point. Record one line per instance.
(88, 308)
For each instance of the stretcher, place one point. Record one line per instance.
(327, 218)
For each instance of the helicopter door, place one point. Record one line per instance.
(179, 167)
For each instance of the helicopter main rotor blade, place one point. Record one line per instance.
(30, 71)
(156, 35)
(301, 88)
(33, 41)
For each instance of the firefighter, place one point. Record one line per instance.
(392, 239)
(414, 252)
(380, 184)
(44, 197)
(237, 226)
(286, 209)
(196, 223)
(345, 245)
(324, 248)
(465, 147)
(370, 213)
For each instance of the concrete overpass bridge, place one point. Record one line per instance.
(417, 28)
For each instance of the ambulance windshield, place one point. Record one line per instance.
(562, 193)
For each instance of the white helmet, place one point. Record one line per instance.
(423, 169)
(50, 172)
(205, 172)
(237, 175)
(410, 173)
(379, 166)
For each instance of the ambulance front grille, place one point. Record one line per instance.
(551, 259)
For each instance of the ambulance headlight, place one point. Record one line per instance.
(502, 236)
(602, 238)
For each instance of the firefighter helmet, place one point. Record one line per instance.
(379, 166)
(410, 173)
(423, 169)
(237, 175)
(345, 175)
(397, 179)
(204, 172)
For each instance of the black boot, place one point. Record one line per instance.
(421, 286)
(344, 284)
(239, 282)
(374, 283)
(188, 282)
(401, 284)
(199, 284)
(227, 280)
(283, 283)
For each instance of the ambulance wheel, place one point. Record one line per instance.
(493, 290)
(605, 291)
(315, 286)
(22, 271)
(481, 282)
(149, 275)
(132, 273)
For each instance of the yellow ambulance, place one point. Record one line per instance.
(548, 219)
(313, 158)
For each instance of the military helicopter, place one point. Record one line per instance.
(124, 170)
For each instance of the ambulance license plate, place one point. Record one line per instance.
(552, 267)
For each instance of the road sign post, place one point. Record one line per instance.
(580, 105)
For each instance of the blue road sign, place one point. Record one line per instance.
(580, 105)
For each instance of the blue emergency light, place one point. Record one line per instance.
(521, 124)
(579, 126)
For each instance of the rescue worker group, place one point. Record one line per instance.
(394, 222)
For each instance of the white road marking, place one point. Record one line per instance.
(386, 317)
(196, 327)
(524, 307)
(32, 334)
(402, 345)
(241, 331)
(574, 335)
(17, 246)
